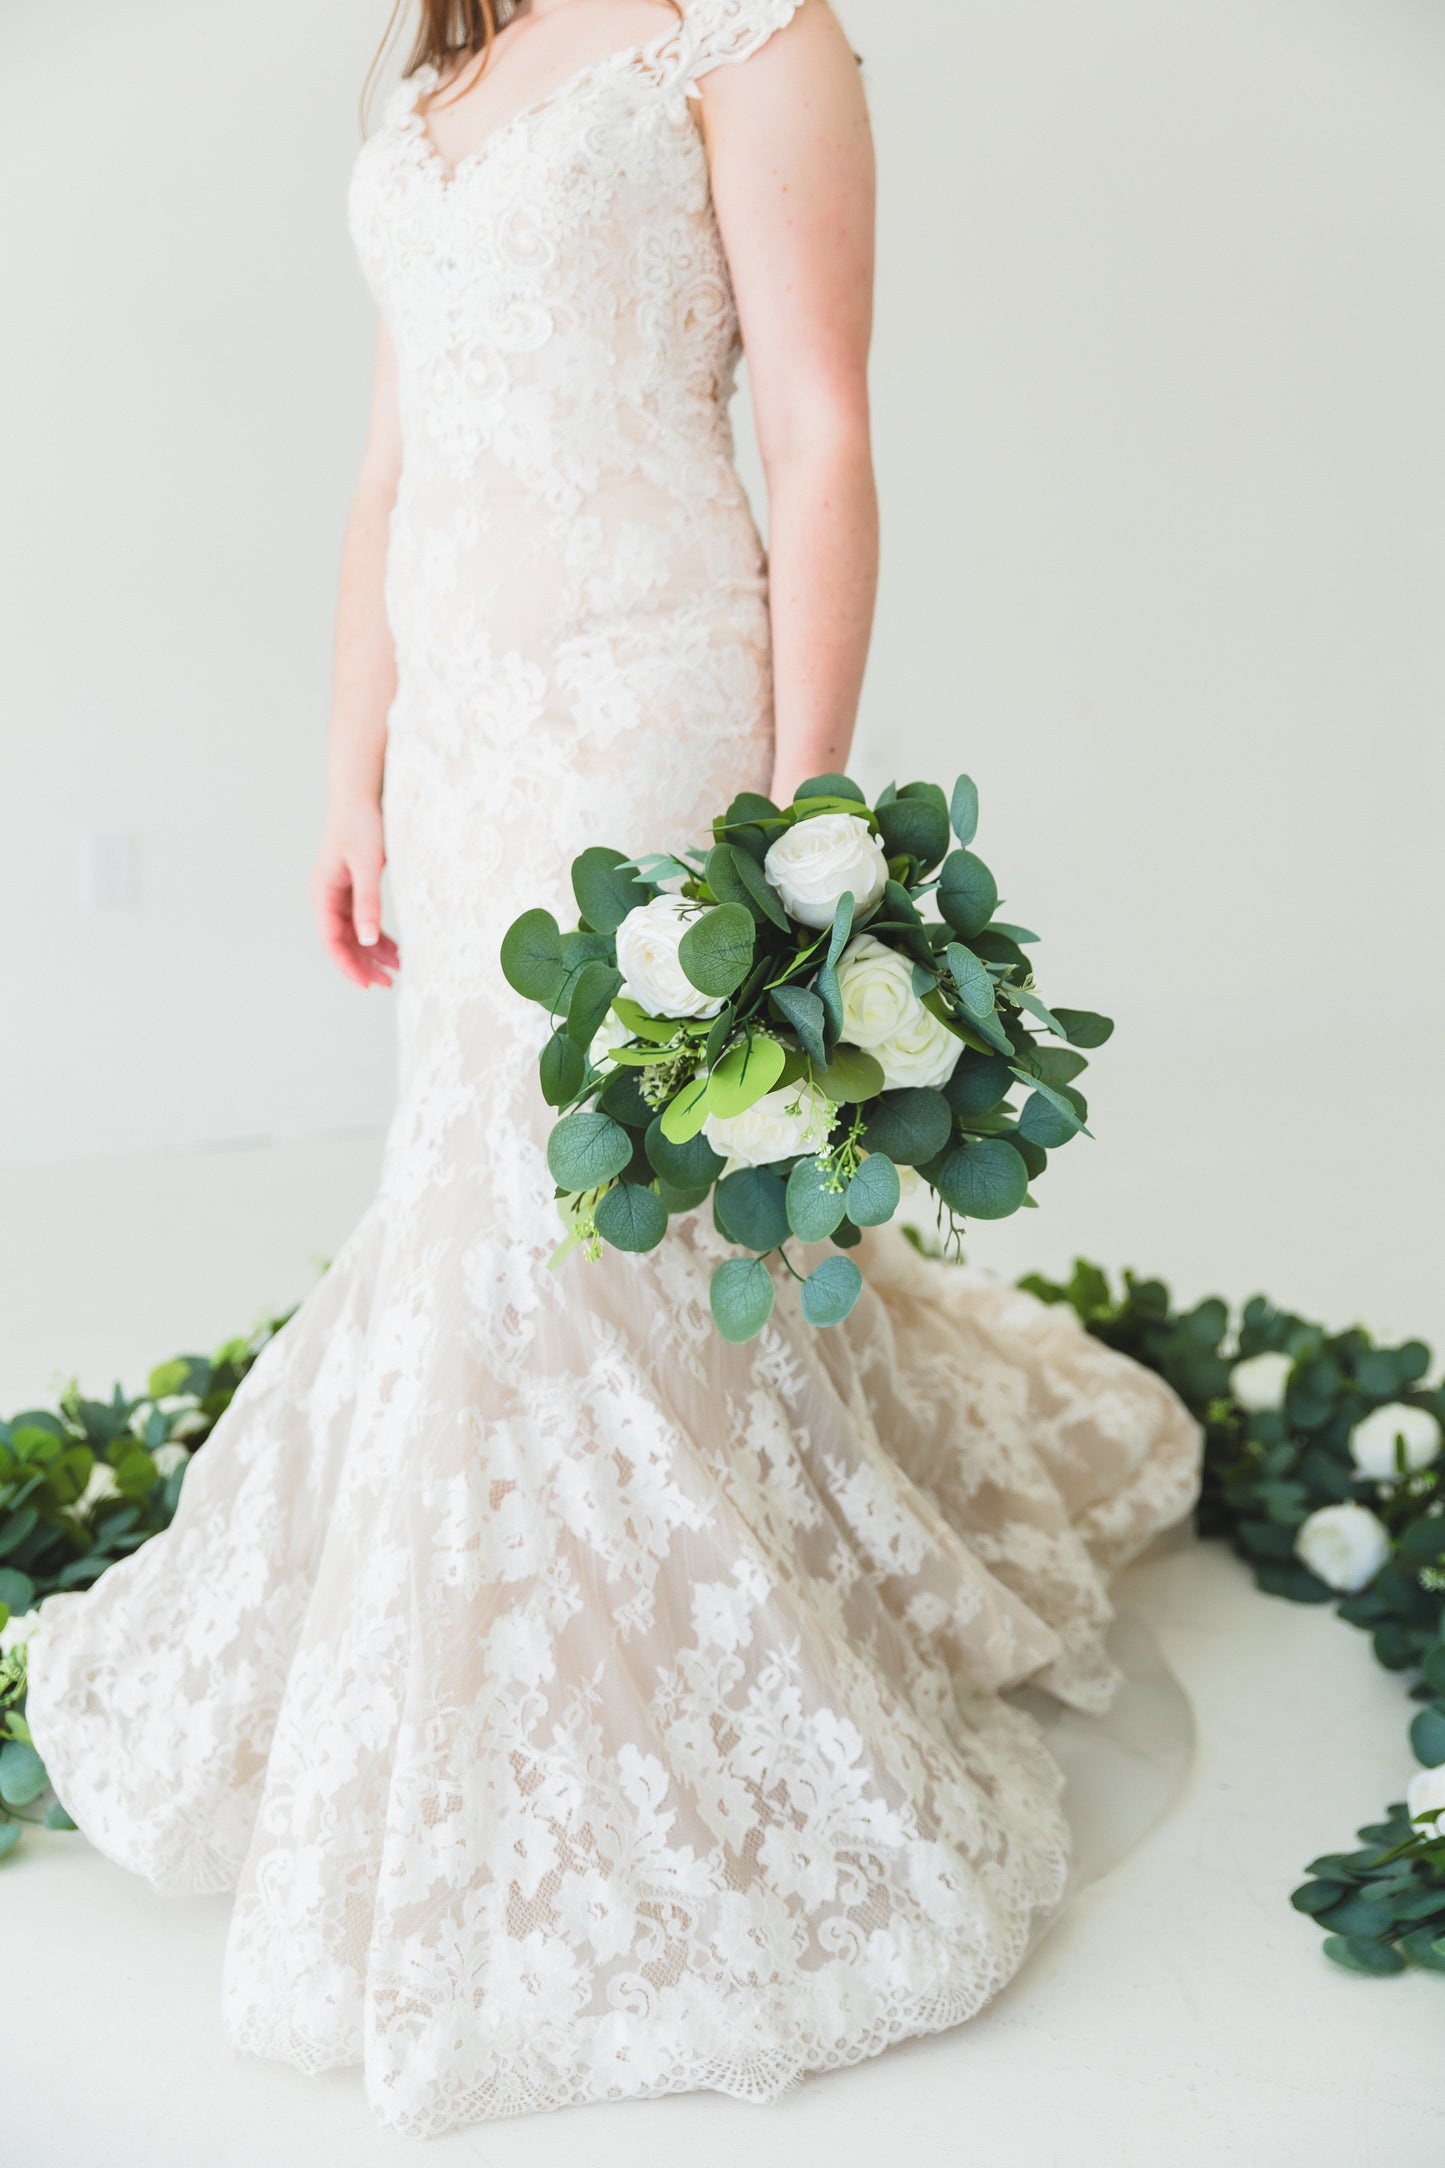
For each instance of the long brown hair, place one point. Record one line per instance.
(447, 32)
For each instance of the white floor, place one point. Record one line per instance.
(1179, 2013)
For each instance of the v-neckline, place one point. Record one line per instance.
(428, 75)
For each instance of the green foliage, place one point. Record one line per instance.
(630, 1143)
(830, 1291)
(741, 1294)
(80, 1488)
(1265, 1472)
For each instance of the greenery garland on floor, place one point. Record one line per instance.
(1322, 1468)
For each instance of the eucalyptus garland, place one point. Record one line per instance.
(1322, 1469)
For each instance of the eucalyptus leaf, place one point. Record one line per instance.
(631, 1217)
(747, 1070)
(851, 1076)
(590, 1000)
(806, 1014)
(751, 1208)
(22, 1773)
(975, 987)
(814, 1210)
(910, 1125)
(735, 877)
(963, 809)
(587, 1149)
(983, 1178)
(562, 1069)
(1082, 1027)
(842, 926)
(716, 952)
(830, 1291)
(692, 1164)
(829, 786)
(684, 1115)
(967, 893)
(532, 958)
(741, 1297)
(874, 1192)
(606, 888)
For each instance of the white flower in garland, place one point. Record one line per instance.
(1425, 1793)
(1373, 1440)
(169, 1457)
(647, 945)
(792, 1119)
(1344, 1546)
(816, 862)
(1258, 1383)
(101, 1485)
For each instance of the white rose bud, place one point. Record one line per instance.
(647, 945)
(1344, 1546)
(816, 862)
(1425, 1792)
(169, 1457)
(17, 1631)
(609, 1035)
(876, 983)
(793, 1119)
(1258, 1383)
(1372, 1441)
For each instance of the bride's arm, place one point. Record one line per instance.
(792, 176)
(346, 878)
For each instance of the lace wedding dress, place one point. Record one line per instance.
(580, 1706)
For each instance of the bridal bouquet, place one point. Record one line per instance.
(782, 1025)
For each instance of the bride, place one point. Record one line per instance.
(578, 1705)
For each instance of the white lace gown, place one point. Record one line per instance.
(579, 1706)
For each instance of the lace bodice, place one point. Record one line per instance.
(559, 298)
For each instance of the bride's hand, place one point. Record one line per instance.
(346, 895)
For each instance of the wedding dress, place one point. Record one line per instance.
(580, 1706)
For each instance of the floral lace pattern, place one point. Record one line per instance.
(579, 1706)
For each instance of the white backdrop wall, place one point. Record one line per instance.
(1160, 348)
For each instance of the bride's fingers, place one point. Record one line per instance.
(366, 903)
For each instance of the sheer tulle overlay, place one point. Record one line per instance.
(581, 1707)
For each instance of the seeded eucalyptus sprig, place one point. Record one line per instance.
(755, 1015)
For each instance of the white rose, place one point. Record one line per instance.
(647, 944)
(17, 1631)
(876, 983)
(924, 1052)
(1425, 1792)
(792, 1119)
(815, 862)
(169, 1457)
(1372, 1441)
(609, 1035)
(1344, 1545)
(1258, 1383)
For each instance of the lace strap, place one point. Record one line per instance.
(717, 33)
